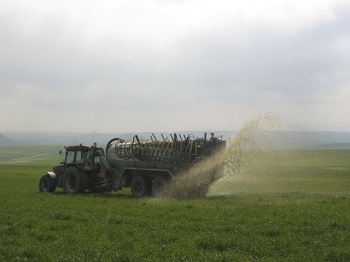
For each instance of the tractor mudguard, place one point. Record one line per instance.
(51, 174)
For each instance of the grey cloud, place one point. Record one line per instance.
(268, 60)
(335, 28)
(258, 69)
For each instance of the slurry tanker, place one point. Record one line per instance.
(144, 165)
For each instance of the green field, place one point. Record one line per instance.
(293, 206)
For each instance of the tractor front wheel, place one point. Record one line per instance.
(46, 184)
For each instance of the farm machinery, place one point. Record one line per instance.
(144, 165)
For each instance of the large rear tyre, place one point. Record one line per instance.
(140, 186)
(74, 181)
(158, 184)
(46, 184)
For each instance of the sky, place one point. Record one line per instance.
(170, 65)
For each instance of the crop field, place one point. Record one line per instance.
(293, 206)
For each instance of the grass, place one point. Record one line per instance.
(25, 152)
(295, 208)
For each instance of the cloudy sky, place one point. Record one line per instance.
(168, 65)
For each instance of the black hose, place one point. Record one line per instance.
(109, 144)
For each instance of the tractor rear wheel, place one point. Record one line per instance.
(74, 181)
(140, 186)
(46, 184)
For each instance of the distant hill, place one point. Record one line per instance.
(335, 146)
(5, 141)
(67, 138)
(276, 138)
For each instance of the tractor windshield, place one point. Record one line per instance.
(76, 156)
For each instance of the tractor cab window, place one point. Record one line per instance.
(82, 156)
(70, 157)
(76, 156)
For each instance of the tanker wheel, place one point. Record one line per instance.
(158, 183)
(45, 184)
(140, 186)
(74, 181)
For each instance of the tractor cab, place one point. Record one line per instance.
(76, 154)
(82, 156)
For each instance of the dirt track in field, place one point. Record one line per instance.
(22, 159)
